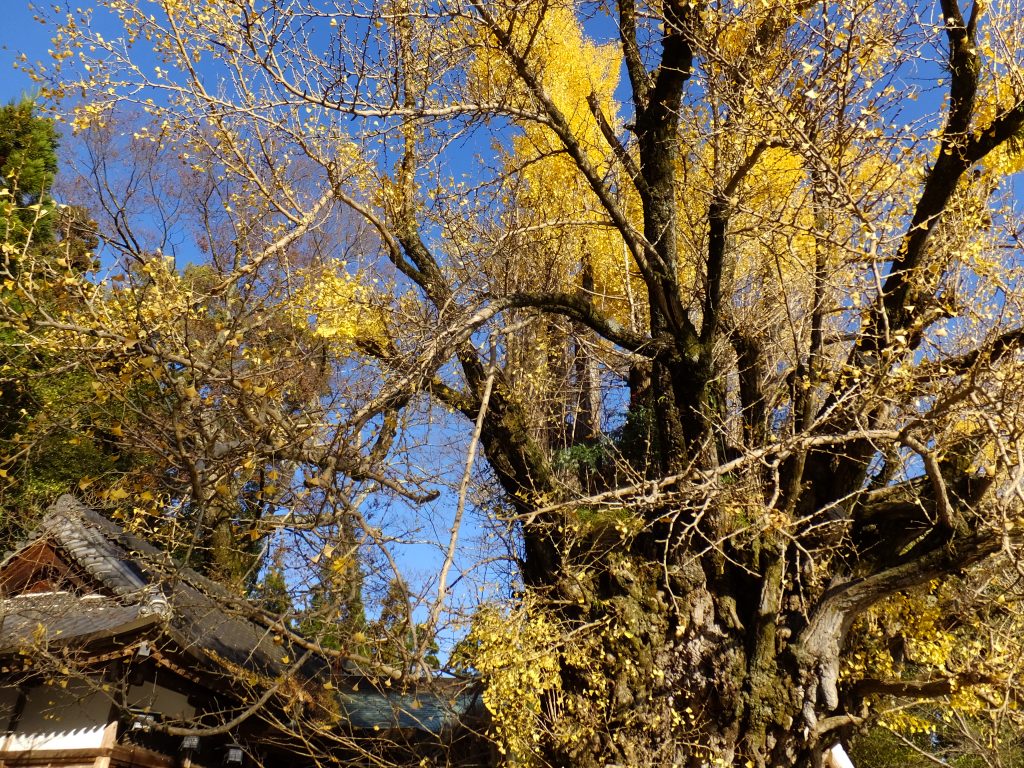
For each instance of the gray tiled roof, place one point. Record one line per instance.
(63, 617)
(429, 710)
(146, 590)
(95, 543)
(201, 617)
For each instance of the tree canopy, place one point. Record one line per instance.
(706, 314)
(39, 402)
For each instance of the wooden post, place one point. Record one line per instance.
(107, 745)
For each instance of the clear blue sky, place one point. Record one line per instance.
(18, 34)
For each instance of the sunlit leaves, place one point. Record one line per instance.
(519, 660)
(776, 321)
(342, 310)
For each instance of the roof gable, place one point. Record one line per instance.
(43, 567)
(95, 544)
(76, 546)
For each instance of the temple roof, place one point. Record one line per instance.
(134, 586)
(104, 587)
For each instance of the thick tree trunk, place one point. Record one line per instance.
(682, 678)
(704, 630)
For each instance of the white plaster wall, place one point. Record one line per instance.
(75, 717)
(61, 718)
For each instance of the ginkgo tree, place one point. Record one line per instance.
(726, 300)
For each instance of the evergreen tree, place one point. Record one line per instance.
(47, 445)
(394, 636)
(336, 613)
(28, 164)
